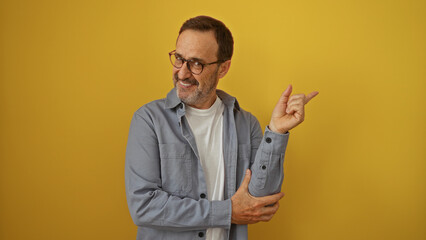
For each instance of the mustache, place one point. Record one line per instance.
(186, 80)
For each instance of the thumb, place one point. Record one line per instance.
(286, 94)
(281, 105)
(246, 179)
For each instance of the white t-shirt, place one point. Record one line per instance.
(207, 127)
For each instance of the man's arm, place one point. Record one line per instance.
(268, 154)
(267, 167)
(149, 205)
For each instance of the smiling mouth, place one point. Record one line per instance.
(187, 83)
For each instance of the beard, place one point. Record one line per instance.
(198, 95)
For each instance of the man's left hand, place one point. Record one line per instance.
(289, 111)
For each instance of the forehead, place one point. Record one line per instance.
(197, 44)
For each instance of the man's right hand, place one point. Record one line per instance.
(247, 209)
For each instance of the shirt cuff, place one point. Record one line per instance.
(221, 212)
(273, 142)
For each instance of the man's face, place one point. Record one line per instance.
(197, 91)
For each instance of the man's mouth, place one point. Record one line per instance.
(185, 84)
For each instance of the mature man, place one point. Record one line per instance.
(197, 166)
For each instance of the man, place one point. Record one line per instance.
(197, 166)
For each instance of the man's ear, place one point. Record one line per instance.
(224, 68)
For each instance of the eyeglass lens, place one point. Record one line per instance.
(194, 66)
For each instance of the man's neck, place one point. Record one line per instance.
(205, 104)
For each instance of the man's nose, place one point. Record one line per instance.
(184, 71)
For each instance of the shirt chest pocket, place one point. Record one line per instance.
(176, 168)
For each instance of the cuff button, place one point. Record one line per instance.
(268, 140)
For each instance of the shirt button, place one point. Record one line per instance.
(202, 195)
(268, 140)
(201, 234)
(263, 167)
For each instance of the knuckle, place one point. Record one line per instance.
(254, 220)
(258, 214)
(256, 205)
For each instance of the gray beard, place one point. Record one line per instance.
(198, 95)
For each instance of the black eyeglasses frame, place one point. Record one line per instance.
(191, 60)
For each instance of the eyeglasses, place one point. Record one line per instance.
(194, 65)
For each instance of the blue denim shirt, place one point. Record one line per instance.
(165, 184)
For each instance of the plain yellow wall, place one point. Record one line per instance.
(73, 72)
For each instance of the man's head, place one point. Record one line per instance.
(206, 41)
(221, 33)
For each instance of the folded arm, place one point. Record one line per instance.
(149, 205)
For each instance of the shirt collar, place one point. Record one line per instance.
(173, 101)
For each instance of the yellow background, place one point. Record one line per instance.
(73, 72)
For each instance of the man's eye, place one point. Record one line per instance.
(197, 64)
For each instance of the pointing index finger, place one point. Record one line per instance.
(310, 96)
